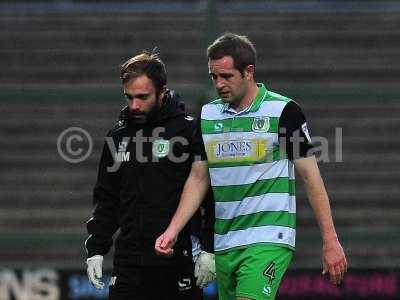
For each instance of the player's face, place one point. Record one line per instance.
(142, 98)
(230, 84)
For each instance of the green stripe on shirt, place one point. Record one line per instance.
(222, 226)
(242, 124)
(260, 187)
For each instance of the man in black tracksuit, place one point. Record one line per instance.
(144, 164)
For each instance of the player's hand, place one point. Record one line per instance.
(334, 261)
(204, 269)
(94, 271)
(165, 242)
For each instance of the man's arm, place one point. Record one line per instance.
(333, 257)
(195, 189)
(104, 222)
(207, 229)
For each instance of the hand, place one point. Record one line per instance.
(94, 271)
(334, 261)
(204, 269)
(165, 242)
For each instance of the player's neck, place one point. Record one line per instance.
(248, 98)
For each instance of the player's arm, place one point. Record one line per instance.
(104, 222)
(298, 146)
(195, 189)
(208, 220)
(299, 150)
(334, 259)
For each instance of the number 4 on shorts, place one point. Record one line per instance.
(270, 272)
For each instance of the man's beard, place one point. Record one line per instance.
(142, 118)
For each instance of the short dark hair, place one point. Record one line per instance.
(146, 63)
(237, 46)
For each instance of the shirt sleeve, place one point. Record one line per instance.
(198, 149)
(294, 136)
(104, 222)
(208, 220)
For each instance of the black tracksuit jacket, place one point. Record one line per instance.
(140, 198)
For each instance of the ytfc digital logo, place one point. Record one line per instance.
(38, 284)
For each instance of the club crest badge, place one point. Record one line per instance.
(260, 124)
(160, 148)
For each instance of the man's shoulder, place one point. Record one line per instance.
(214, 103)
(187, 118)
(118, 128)
(182, 120)
(181, 125)
(275, 104)
(187, 123)
(213, 108)
(273, 96)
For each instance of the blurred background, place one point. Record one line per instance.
(59, 68)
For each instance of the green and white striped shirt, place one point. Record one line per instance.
(253, 182)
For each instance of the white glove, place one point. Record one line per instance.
(94, 271)
(204, 269)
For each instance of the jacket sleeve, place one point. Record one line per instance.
(197, 146)
(208, 220)
(104, 222)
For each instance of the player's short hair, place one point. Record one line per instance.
(239, 47)
(146, 63)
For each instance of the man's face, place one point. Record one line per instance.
(230, 84)
(142, 98)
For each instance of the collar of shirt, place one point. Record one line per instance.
(255, 104)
